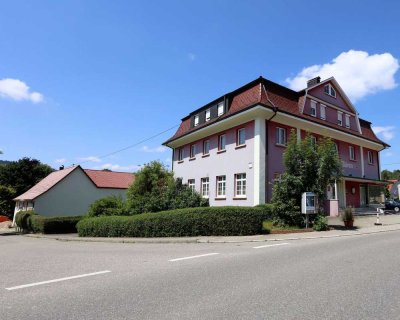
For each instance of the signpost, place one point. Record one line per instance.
(308, 204)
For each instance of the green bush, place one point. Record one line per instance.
(22, 219)
(40, 224)
(320, 223)
(202, 221)
(108, 206)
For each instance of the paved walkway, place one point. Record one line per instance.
(363, 225)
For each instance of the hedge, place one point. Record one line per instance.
(32, 222)
(203, 221)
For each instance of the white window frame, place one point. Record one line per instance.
(205, 187)
(180, 154)
(221, 186)
(192, 151)
(206, 142)
(240, 185)
(208, 114)
(370, 157)
(322, 111)
(352, 154)
(280, 136)
(220, 138)
(196, 120)
(192, 184)
(238, 135)
(337, 147)
(220, 109)
(313, 108)
(331, 90)
(347, 120)
(340, 118)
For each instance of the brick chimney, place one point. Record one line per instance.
(313, 81)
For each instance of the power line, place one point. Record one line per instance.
(390, 164)
(132, 145)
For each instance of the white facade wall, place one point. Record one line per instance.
(72, 196)
(232, 161)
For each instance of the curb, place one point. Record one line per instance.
(199, 240)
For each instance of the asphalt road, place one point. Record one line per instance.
(339, 278)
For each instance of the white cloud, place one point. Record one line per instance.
(90, 159)
(386, 132)
(62, 160)
(158, 149)
(117, 167)
(191, 56)
(18, 90)
(358, 72)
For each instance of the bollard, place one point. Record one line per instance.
(377, 223)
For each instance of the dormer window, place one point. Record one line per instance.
(196, 120)
(328, 89)
(208, 114)
(220, 109)
(313, 108)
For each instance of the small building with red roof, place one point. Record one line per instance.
(70, 191)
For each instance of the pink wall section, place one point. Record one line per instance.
(350, 167)
(371, 171)
(338, 101)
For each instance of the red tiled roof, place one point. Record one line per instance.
(270, 94)
(100, 178)
(46, 184)
(110, 179)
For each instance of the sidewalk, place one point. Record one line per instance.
(364, 225)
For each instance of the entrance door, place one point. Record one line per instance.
(363, 196)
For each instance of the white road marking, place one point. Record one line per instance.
(194, 257)
(57, 280)
(271, 245)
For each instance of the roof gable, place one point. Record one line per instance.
(110, 179)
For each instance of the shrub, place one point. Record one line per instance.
(40, 224)
(108, 206)
(320, 223)
(22, 219)
(202, 221)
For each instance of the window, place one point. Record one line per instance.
(241, 137)
(208, 114)
(240, 185)
(347, 120)
(351, 153)
(336, 147)
(196, 120)
(281, 136)
(221, 186)
(205, 187)
(191, 184)
(221, 142)
(370, 157)
(313, 108)
(206, 147)
(313, 141)
(323, 111)
(340, 118)
(220, 109)
(192, 151)
(180, 154)
(328, 89)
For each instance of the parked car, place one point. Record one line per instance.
(392, 205)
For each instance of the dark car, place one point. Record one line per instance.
(392, 205)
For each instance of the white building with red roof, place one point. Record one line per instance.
(70, 192)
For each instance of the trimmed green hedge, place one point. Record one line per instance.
(32, 222)
(203, 221)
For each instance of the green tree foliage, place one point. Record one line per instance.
(155, 189)
(309, 167)
(108, 206)
(16, 177)
(391, 175)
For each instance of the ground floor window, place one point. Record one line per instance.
(205, 187)
(221, 186)
(191, 184)
(375, 194)
(240, 185)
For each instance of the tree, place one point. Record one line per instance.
(16, 177)
(155, 189)
(309, 167)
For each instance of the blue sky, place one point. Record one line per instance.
(80, 79)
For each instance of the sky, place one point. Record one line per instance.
(83, 79)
